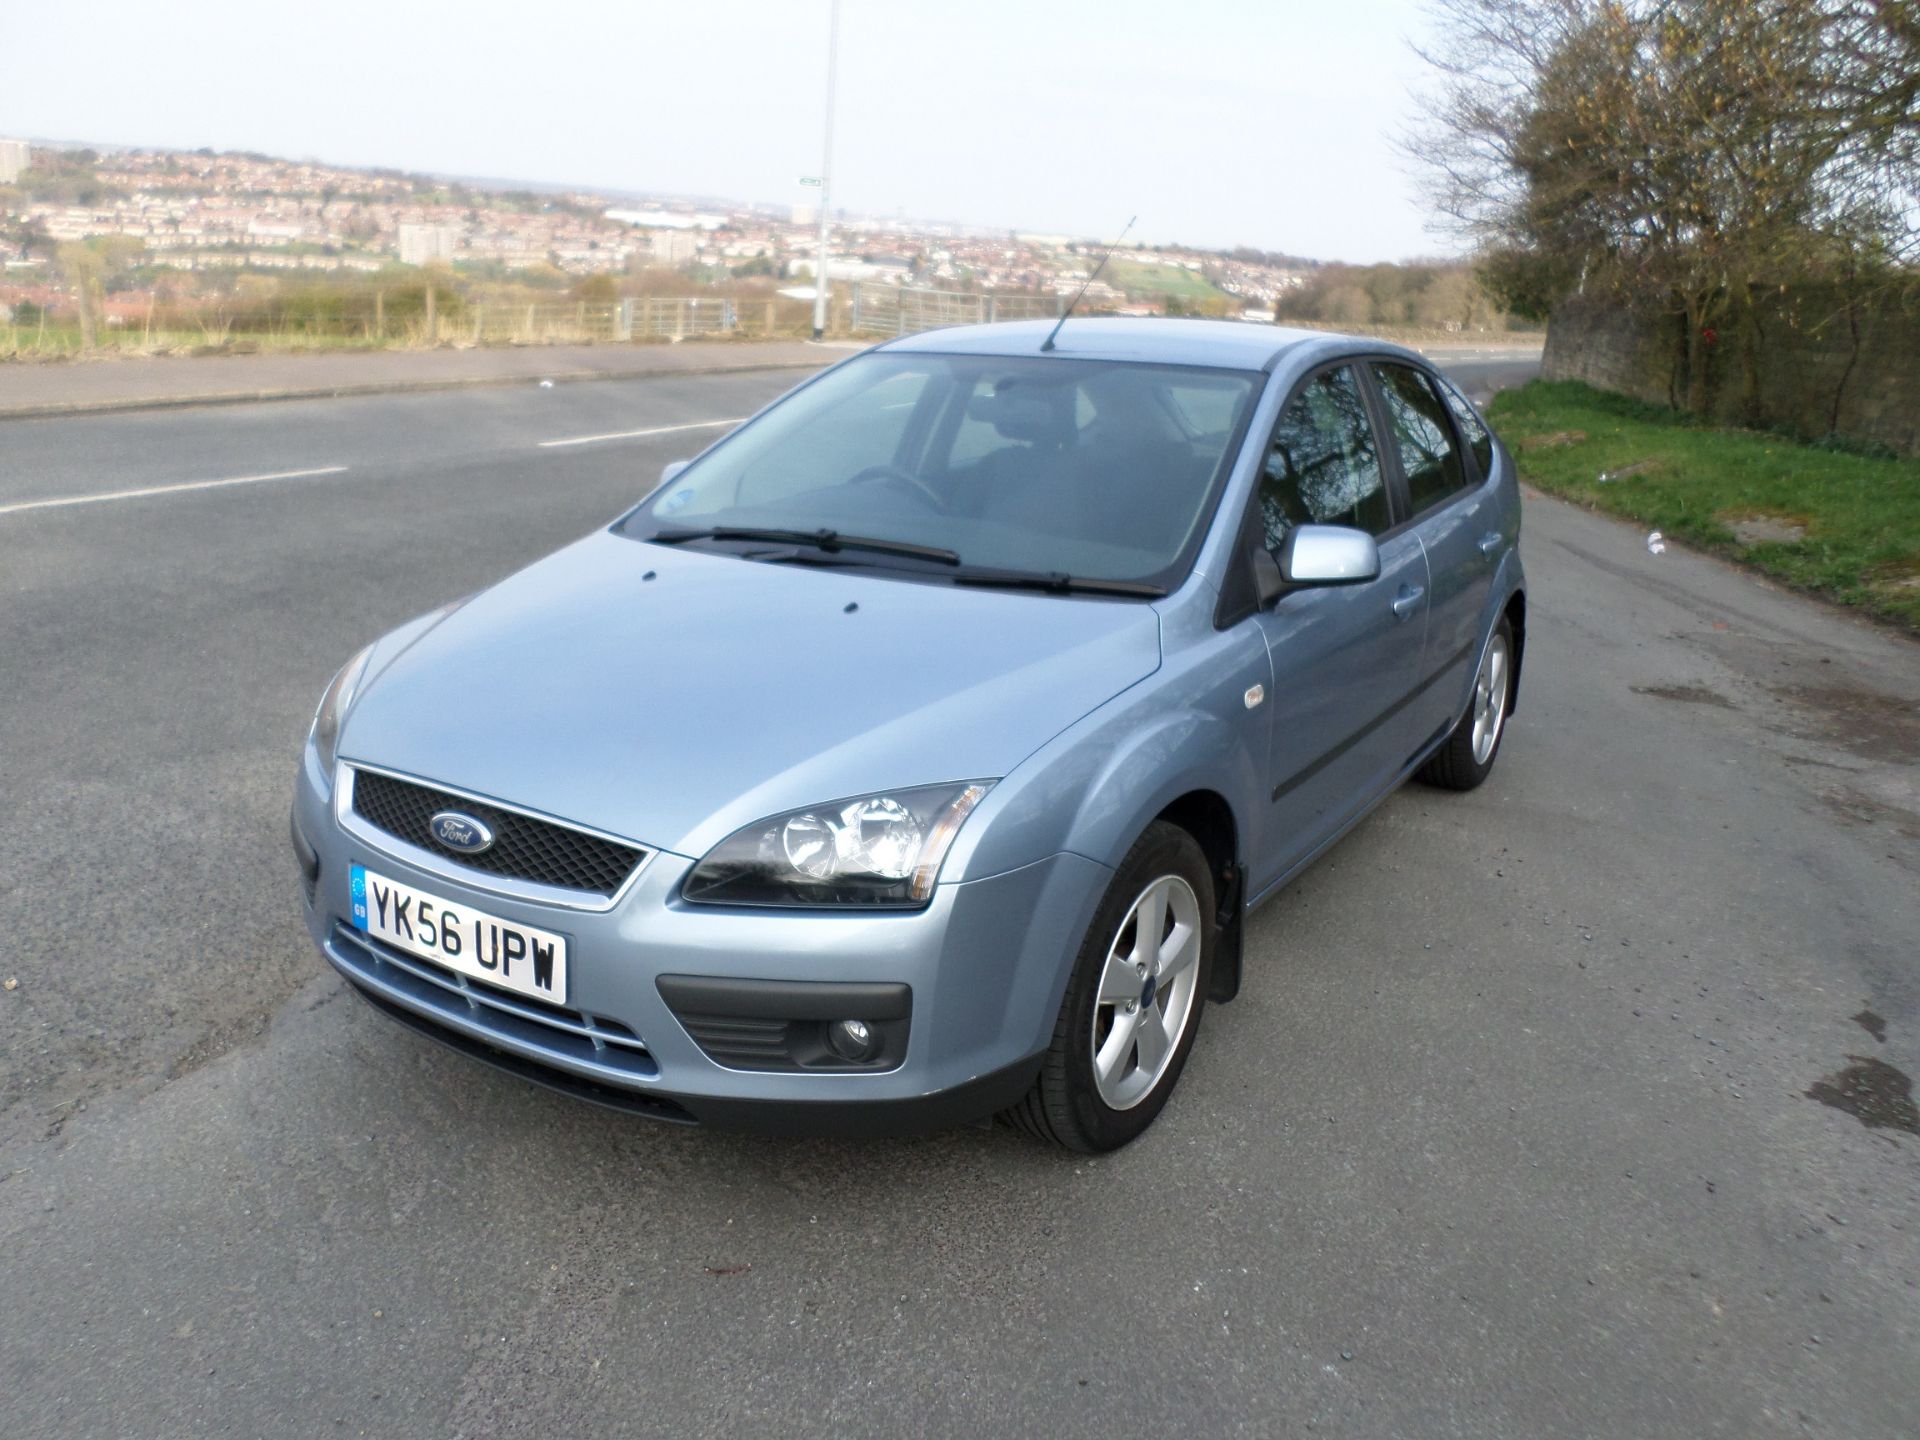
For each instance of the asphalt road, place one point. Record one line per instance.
(1509, 1133)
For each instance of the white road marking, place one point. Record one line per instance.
(636, 434)
(62, 501)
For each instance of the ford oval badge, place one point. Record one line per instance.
(462, 834)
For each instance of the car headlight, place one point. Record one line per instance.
(873, 850)
(325, 734)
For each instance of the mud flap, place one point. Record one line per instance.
(1230, 923)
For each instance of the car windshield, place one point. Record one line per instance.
(1023, 466)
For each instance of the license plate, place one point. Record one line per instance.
(498, 952)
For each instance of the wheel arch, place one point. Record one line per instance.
(1208, 817)
(1177, 750)
(1516, 615)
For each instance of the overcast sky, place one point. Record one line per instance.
(1219, 122)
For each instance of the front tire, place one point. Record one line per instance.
(1466, 759)
(1133, 1003)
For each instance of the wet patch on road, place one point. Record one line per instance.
(1874, 1025)
(1687, 695)
(1867, 722)
(1856, 807)
(1873, 1092)
(1801, 761)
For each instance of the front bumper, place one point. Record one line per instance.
(962, 994)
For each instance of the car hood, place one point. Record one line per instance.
(672, 696)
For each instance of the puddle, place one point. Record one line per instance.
(1686, 695)
(1873, 1092)
(1874, 1025)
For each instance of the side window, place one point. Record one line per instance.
(1323, 467)
(1422, 436)
(1479, 439)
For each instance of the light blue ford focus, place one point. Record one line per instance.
(916, 754)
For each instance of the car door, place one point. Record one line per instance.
(1455, 512)
(1344, 657)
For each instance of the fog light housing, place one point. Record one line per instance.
(852, 1040)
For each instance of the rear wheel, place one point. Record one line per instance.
(1467, 757)
(1133, 1003)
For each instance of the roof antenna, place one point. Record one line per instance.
(1095, 275)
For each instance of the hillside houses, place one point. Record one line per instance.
(199, 211)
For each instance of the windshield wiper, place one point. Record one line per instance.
(827, 540)
(832, 541)
(1058, 583)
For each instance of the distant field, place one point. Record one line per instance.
(1138, 279)
(1846, 526)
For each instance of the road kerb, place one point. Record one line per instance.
(52, 410)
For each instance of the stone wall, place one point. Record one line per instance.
(1821, 371)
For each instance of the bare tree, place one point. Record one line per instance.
(1679, 154)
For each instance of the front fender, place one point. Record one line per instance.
(1095, 787)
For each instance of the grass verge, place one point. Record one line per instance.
(1842, 525)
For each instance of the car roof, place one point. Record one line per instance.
(1226, 344)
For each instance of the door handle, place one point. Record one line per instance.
(1490, 542)
(1407, 599)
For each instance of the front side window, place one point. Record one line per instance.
(1099, 470)
(1323, 467)
(1421, 435)
(1479, 438)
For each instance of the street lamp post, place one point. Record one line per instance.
(820, 281)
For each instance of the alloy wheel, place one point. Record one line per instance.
(1147, 989)
(1489, 699)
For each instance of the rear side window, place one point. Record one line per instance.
(1422, 436)
(1479, 440)
(1323, 467)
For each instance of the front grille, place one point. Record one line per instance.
(523, 848)
(555, 1029)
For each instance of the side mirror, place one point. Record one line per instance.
(1328, 555)
(671, 469)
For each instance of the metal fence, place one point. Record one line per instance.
(438, 318)
(891, 310)
(646, 317)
